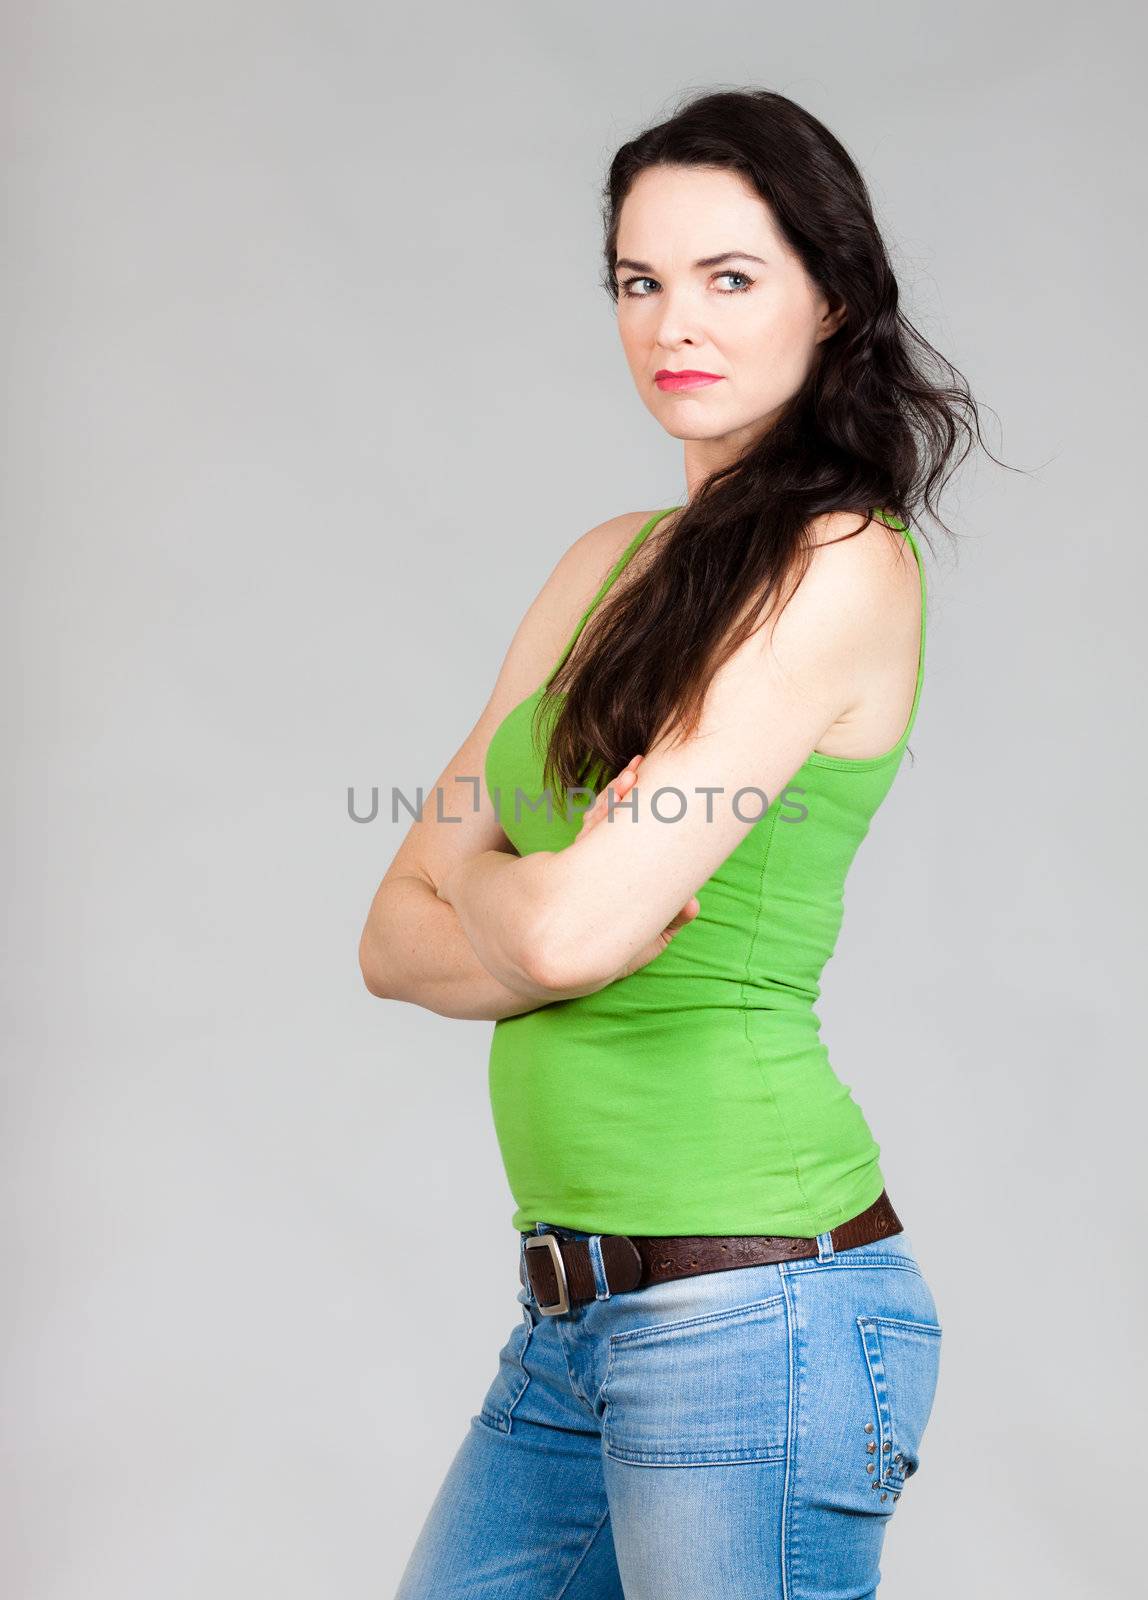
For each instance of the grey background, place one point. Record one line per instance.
(308, 382)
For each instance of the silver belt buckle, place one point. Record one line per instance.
(549, 1241)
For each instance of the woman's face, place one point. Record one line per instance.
(752, 320)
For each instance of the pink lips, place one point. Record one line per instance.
(675, 382)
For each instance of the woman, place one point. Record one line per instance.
(727, 1352)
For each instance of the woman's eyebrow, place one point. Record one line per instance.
(706, 261)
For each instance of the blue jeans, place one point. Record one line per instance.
(745, 1433)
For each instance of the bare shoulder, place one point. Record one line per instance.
(861, 578)
(533, 652)
(573, 582)
(850, 630)
(847, 549)
(554, 613)
(592, 556)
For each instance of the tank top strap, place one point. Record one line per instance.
(611, 578)
(921, 652)
(901, 526)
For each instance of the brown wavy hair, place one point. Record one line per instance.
(882, 421)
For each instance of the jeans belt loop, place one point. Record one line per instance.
(601, 1284)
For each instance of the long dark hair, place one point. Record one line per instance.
(871, 428)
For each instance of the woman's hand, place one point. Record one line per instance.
(621, 786)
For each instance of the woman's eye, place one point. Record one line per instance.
(634, 294)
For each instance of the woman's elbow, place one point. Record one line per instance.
(373, 967)
(560, 961)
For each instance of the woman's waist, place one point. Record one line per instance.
(697, 1053)
(649, 1000)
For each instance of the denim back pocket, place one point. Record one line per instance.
(709, 1388)
(511, 1379)
(903, 1358)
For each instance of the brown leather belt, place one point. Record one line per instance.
(561, 1273)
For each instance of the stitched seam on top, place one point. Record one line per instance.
(745, 1017)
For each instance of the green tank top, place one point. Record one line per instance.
(695, 1096)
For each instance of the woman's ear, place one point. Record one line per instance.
(831, 320)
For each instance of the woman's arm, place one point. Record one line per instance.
(453, 981)
(413, 945)
(476, 882)
(767, 709)
(414, 948)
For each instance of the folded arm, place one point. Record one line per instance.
(578, 915)
(414, 945)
